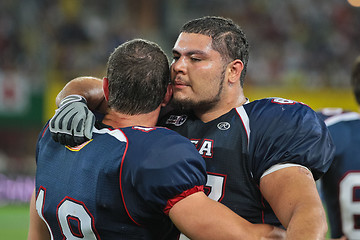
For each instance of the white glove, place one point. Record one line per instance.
(73, 122)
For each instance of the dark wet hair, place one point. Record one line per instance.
(138, 73)
(227, 38)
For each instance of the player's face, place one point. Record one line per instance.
(197, 72)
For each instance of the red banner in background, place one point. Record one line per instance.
(14, 93)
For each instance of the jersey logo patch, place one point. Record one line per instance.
(223, 126)
(176, 120)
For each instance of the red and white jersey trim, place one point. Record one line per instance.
(117, 133)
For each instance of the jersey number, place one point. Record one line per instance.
(74, 218)
(216, 185)
(283, 101)
(350, 204)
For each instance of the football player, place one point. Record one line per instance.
(341, 184)
(131, 180)
(262, 157)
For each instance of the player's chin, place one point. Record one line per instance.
(182, 101)
(181, 95)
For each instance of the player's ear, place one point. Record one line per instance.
(106, 88)
(234, 70)
(168, 96)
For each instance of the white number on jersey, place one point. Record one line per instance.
(283, 101)
(70, 210)
(349, 205)
(40, 200)
(216, 185)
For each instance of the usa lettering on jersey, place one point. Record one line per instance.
(205, 148)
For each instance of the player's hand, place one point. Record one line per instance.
(73, 122)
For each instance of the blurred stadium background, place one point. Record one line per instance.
(302, 50)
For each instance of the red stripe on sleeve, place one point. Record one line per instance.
(177, 198)
(42, 135)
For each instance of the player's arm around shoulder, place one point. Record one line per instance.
(88, 87)
(293, 196)
(200, 217)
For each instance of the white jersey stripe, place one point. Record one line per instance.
(116, 133)
(342, 117)
(279, 166)
(245, 120)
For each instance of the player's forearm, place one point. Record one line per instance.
(199, 217)
(293, 196)
(307, 219)
(88, 87)
(307, 222)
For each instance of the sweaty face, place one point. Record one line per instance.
(197, 72)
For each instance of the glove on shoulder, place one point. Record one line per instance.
(73, 122)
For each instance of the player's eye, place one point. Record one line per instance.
(194, 59)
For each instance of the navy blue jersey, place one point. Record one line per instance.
(341, 184)
(119, 185)
(241, 145)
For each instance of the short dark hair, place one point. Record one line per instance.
(355, 79)
(227, 38)
(138, 73)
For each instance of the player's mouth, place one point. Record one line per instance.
(179, 84)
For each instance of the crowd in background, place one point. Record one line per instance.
(305, 43)
(316, 39)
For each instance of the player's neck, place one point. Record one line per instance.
(224, 106)
(121, 120)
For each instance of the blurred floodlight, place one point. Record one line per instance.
(354, 3)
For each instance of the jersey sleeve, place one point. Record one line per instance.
(334, 119)
(40, 136)
(171, 170)
(288, 132)
(170, 166)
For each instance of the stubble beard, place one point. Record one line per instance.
(202, 105)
